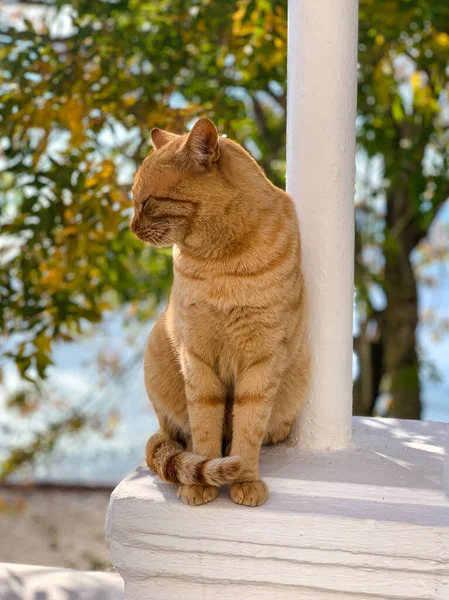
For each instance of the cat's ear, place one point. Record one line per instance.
(159, 137)
(202, 145)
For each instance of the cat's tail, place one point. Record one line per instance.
(174, 464)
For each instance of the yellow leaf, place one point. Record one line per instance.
(91, 182)
(243, 30)
(129, 100)
(74, 115)
(107, 168)
(70, 230)
(53, 276)
(240, 12)
(279, 43)
(415, 80)
(442, 39)
(43, 343)
(379, 39)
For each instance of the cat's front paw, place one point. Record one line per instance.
(249, 493)
(195, 495)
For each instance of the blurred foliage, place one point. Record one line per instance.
(81, 86)
(43, 442)
(403, 119)
(403, 108)
(76, 111)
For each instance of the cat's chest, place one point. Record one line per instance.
(231, 335)
(228, 317)
(218, 295)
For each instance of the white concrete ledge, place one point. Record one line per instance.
(27, 582)
(370, 522)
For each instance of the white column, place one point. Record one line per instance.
(321, 112)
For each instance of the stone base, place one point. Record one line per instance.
(28, 582)
(367, 523)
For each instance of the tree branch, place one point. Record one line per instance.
(260, 117)
(281, 100)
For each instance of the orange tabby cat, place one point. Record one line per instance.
(227, 364)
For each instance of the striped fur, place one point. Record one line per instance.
(174, 464)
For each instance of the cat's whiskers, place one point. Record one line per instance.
(160, 230)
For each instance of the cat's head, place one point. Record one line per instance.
(178, 185)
